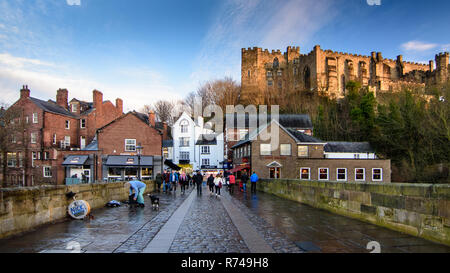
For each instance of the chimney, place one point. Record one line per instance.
(98, 101)
(62, 97)
(151, 118)
(24, 92)
(119, 106)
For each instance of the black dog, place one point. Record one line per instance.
(132, 202)
(155, 201)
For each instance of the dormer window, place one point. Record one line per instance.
(74, 107)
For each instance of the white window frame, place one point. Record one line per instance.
(207, 161)
(337, 174)
(82, 126)
(185, 141)
(11, 157)
(309, 174)
(290, 150)
(66, 141)
(35, 118)
(45, 174)
(328, 174)
(242, 133)
(298, 151)
(265, 145)
(381, 174)
(33, 138)
(364, 174)
(184, 126)
(130, 144)
(27, 119)
(67, 124)
(74, 107)
(54, 139)
(206, 150)
(184, 157)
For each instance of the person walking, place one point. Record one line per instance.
(183, 182)
(139, 188)
(198, 180)
(218, 183)
(210, 182)
(173, 181)
(159, 181)
(244, 179)
(232, 183)
(166, 181)
(189, 180)
(253, 179)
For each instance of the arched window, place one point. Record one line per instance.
(307, 78)
(276, 63)
(184, 125)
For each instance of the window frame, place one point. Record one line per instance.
(206, 150)
(337, 174)
(364, 175)
(290, 149)
(206, 160)
(184, 157)
(129, 144)
(381, 175)
(184, 126)
(49, 168)
(307, 151)
(318, 174)
(82, 125)
(33, 140)
(261, 149)
(309, 173)
(35, 118)
(67, 126)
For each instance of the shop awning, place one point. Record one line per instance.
(129, 161)
(75, 160)
(239, 168)
(172, 165)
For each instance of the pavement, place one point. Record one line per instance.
(192, 223)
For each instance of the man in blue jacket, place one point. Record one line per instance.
(253, 179)
(174, 180)
(139, 188)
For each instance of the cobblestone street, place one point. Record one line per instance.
(193, 223)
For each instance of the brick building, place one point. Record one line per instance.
(237, 126)
(50, 129)
(119, 143)
(326, 72)
(300, 156)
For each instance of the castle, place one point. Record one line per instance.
(326, 72)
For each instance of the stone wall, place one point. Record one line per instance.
(24, 209)
(421, 210)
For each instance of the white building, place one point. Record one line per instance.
(196, 147)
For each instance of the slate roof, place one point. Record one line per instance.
(93, 146)
(303, 138)
(167, 143)
(299, 121)
(348, 147)
(207, 140)
(52, 107)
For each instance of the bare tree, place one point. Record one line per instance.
(164, 111)
(146, 109)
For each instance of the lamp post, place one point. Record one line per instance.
(139, 151)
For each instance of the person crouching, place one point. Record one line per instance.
(139, 188)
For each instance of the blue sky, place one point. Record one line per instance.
(145, 50)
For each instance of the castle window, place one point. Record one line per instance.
(269, 83)
(307, 78)
(269, 74)
(276, 63)
(280, 73)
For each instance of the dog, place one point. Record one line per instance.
(155, 201)
(133, 203)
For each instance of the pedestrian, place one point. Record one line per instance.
(232, 183)
(166, 182)
(183, 181)
(189, 180)
(210, 183)
(159, 181)
(244, 179)
(139, 188)
(173, 181)
(253, 179)
(218, 184)
(198, 179)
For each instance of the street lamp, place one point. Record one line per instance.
(139, 151)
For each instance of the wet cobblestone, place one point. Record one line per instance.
(207, 228)
(141, 238)
(275, 239)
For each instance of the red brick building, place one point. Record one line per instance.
(50, 129)
(119, 143)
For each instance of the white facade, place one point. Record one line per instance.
(186, 134)
(350, 155)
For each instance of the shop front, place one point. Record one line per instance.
(79, 169)
(126, 167)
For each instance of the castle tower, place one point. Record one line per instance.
(442, 61)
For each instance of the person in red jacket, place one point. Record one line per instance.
(232, 183)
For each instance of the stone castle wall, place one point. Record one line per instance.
(25, 209)
(421, 210)
(326, 72)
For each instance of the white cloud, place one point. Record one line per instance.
(268, 24)
(44, 78)
(73, 2)
(418, 46)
